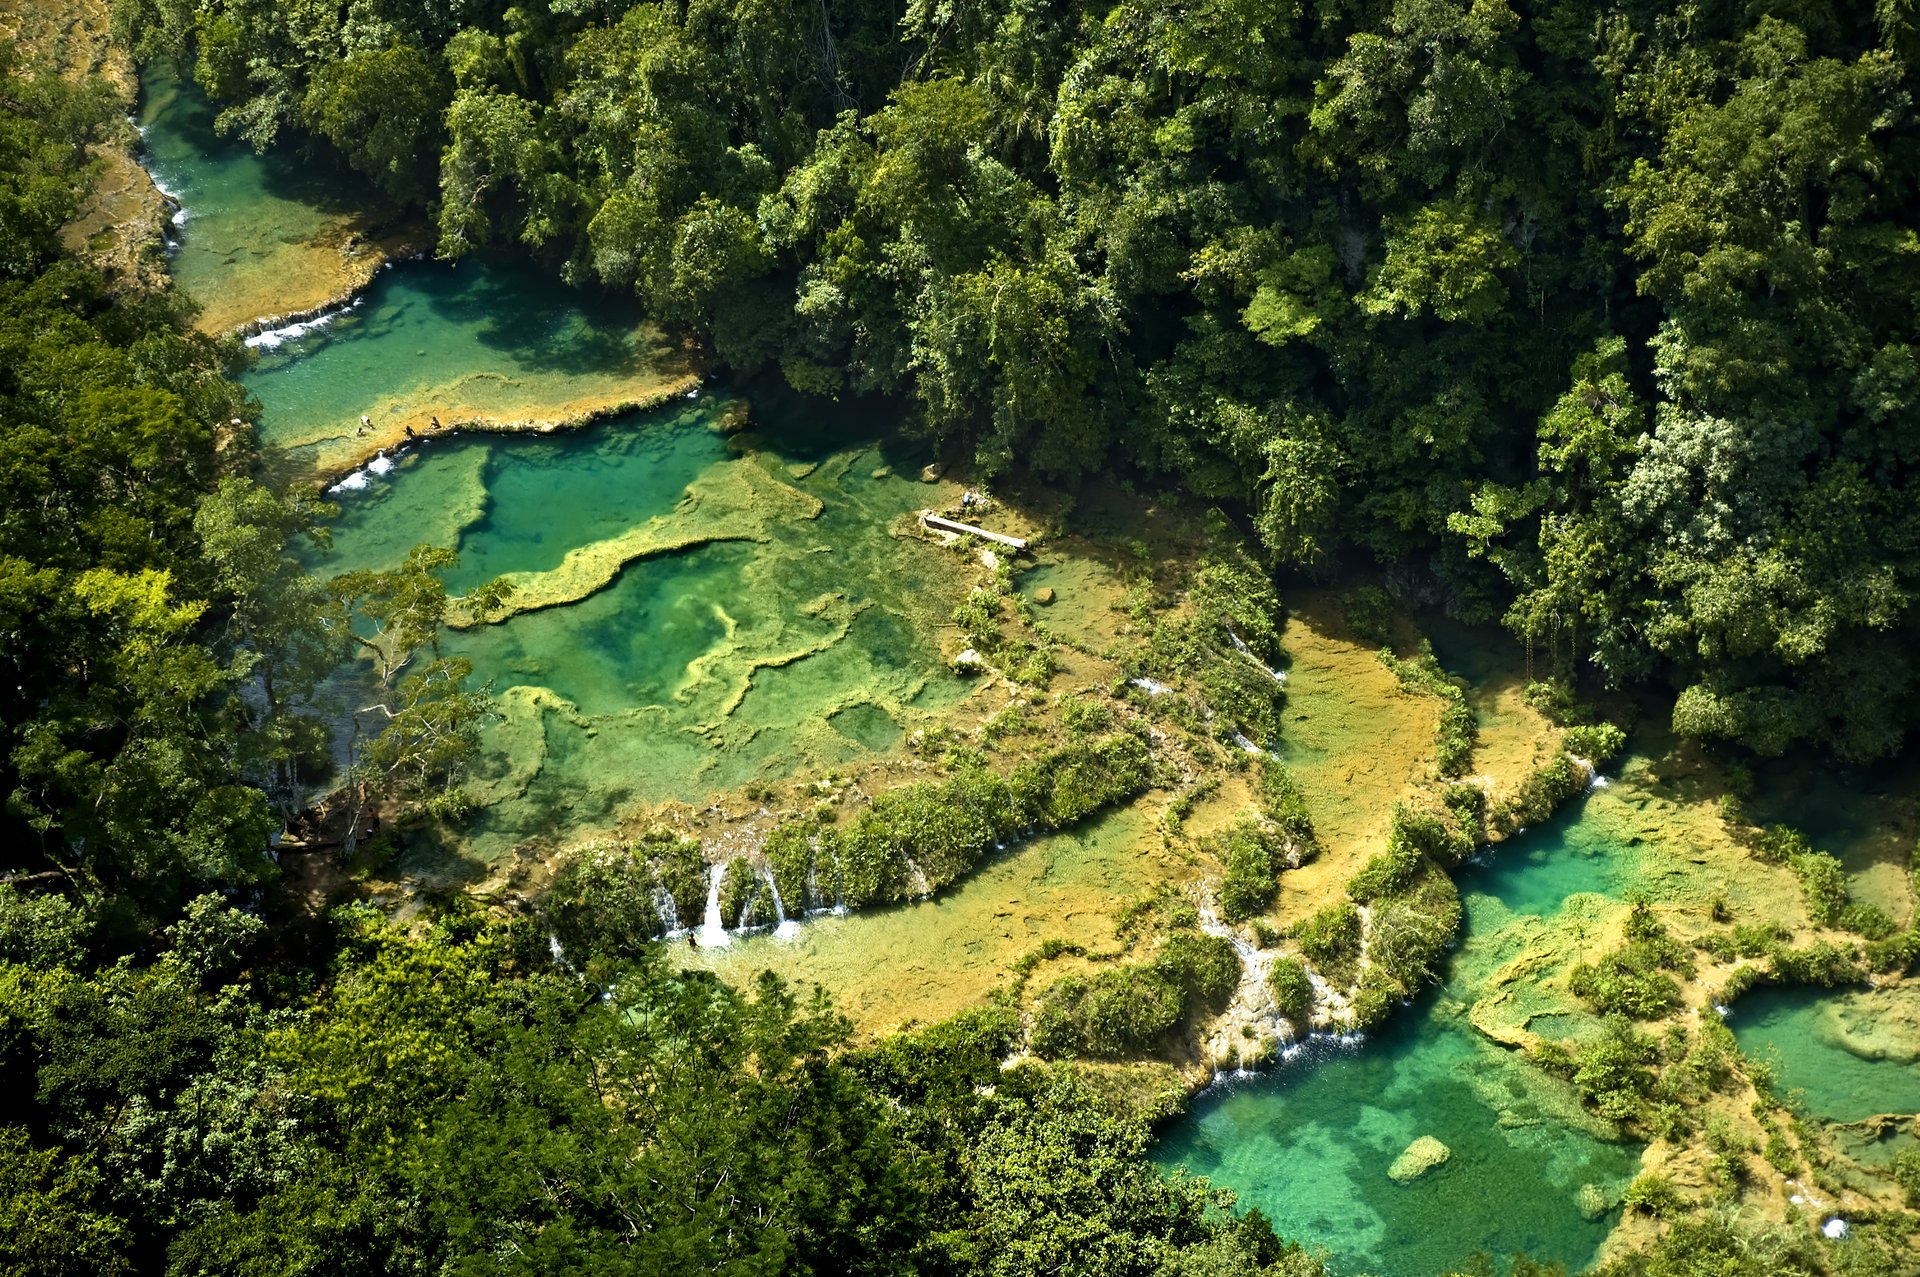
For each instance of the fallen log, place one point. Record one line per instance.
(929, 519)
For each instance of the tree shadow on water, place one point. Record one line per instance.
(544, 325)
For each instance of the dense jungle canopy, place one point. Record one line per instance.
(1598, 317)
(1594, 318)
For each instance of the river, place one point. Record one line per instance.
(703, 606)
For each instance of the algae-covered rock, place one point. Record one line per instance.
(1043, 595)
(930, 473)
(1592, 1200)
(1420, 1157)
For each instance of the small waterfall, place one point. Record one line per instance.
(669, 911)
(559, 952)
(1240, 646)
(712, 933)
(785, 928)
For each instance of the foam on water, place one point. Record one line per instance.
(275, 338)
(1310, 1142)
(712, 931)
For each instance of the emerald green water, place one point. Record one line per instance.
(1310, 1143)
(257, 234)
(698, 611)
(469, 341)
(766, 623)
(1851, 1054)
(691, 671)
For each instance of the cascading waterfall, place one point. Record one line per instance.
(712, 933)
(1278, 676)
(785, 928)
(669, 911)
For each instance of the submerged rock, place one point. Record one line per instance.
(1043, 595)
(1420, 1157)
(930, 473)
(1592, 1201)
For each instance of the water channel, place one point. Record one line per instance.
(698, 607)
(1310, 1143)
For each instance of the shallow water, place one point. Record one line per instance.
(1851, 1054)
(693, 613)
(462, 342)
(924, 961)
(793, 632)
(800, 636)
(1310, 1143)
(258, 234)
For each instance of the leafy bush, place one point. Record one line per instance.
(1430, 835)
(1538, 795)
(943, 829)
(1898, 952)
(867, 864)
(1129, 1009)
(1030, 664)
(789, 850)
(1251, 851)
(1285, 804)
(1375, 1000)
(1387, 873)
(1453, 738)
(1468, 805)
(1079, 779)
(1086, 716)
(678, 869)
(1614, 1073)
(1626, 983)
(1292, 990)
(1331, 940)
(744, 899)
(1598, 743)
(979, 619)
(1238, 594)
(1824, 881)
(1244, 698)
(1652, 1193)
(1408, 935)
(945, 1061)
(1867, 921)
(602, 902)
(1906, 1173)
(1822, 964)
(1780, 843)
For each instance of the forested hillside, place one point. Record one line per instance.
(199, 1088)
(1592, 317)
(1597, 316)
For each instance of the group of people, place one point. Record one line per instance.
(366, 425)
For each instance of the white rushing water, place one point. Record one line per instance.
(712, 932)
(784, 928)
(359, 480)
(1278, 676)
(274, 338)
